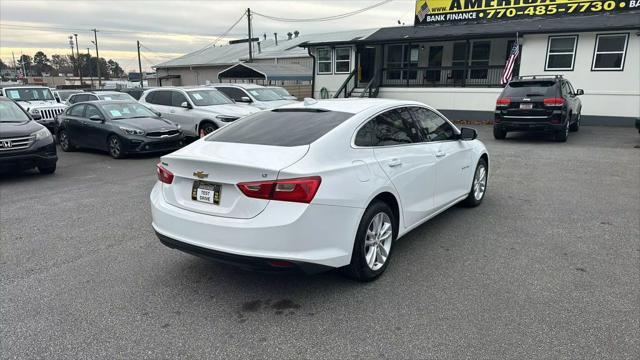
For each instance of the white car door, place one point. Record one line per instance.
(409, 164)
(185, 117)
(453, 156)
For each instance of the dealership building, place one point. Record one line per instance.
(454, 56)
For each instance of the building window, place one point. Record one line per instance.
(480, 54)
(610, 52)
(561, 52)
(324, 61)
(343, 60)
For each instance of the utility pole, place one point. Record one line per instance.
(89, 63)
(95, 37)
(250, 44)
(78, 60)
(140, 66)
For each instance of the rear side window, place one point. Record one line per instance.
(394, 127)
(281, 127)
(531, 88)
(161, 98)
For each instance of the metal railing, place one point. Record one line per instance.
(443, 76)
(347, 86)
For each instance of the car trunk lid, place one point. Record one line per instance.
(225, 165)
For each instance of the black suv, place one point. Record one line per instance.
(24, 144)
(538, 103)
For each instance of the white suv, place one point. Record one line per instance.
(36, 100)
(255, 95)
(198, 110)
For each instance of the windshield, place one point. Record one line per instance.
(264, 94)
(280, 91)
(64, 95)
(29, 94)
(530, 88)
(208, 97)
(127, 111)
(118, 96)
(10, 113)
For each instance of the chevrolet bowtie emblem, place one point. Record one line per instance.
(200, 174)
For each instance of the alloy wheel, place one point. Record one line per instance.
(379, 238)
(480, 182)
(114, 147)
(64, 140)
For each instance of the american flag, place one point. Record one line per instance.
(507, 73)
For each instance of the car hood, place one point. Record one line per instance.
(231, 109)
(146, 124)
(11, 130)
(27, 105)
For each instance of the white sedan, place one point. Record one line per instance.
(317, 185)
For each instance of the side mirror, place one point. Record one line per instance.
(185, 105)
(246, 99)
(467, 134)
(579, 92)
(96, 118)
(36, 116)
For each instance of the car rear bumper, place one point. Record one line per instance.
(42, 156)
(304, 234)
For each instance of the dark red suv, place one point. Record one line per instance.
(538, 103)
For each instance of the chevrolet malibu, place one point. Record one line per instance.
(317, 185)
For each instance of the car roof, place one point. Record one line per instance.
(106, 102)
(243, 86)
(24, 86)
(350, 105)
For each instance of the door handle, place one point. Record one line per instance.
(394, 163)
(172, 111)
(440, 154)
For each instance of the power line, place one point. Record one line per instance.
(223, 35)
(105, 31)
(326, 18)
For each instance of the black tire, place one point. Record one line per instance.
(206, 128)
(65, 141)
(498, 133)
(358, 268)
(114, 145)
(563, 135)
(472, 200)
(576, 125)
(47, 169)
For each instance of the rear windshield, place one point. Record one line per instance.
(281, 127)
(530, 88)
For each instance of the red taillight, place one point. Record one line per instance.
(554, 101)
(503, 102)
(296, 190)
(164, 175)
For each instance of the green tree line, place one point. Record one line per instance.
(41, 64)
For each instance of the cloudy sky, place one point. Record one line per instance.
(167, 28)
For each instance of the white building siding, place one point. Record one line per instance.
(607, 93)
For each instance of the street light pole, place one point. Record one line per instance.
(95, 37)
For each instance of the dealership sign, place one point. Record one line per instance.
(436, 11)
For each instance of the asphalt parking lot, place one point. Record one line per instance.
(546, 267)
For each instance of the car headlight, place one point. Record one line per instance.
(42, 134)
(34, 111)
(131, 131)
(226, 118)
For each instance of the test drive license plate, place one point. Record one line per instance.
(206, 192)
(526, 106)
